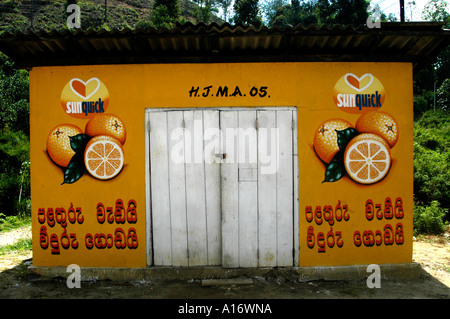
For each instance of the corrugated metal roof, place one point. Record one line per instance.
(418, 43)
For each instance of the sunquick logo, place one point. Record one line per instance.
(354, 94)
(359, 100)
(83, 99)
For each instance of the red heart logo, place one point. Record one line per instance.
(85, 89)
(355, 82)
(79, 87)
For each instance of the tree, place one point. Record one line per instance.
(224, 5)
(165, 13)
(434, 74)
(270, 8)
(69, 2)
(173, 7)
(353, 12)
(320, 12)
(106, 10)
(204, 10)
(14, 141)
(410, 8)
(14, 108)
(435, 10)
(306, 13)
(160, 17)
(324, 12)
(247, 12)
(390, 18)
(303, 12)
(443, 95)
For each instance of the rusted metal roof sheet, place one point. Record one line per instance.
(418, 43)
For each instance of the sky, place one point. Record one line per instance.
(393, 6)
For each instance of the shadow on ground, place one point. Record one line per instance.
(21, 283)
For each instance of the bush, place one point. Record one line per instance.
(443, 95)
(144, 25)
(14, 109)
(161, 18)
(432, 158)
(429, 219)
(14, 172)
(420, 105)
(50, 18)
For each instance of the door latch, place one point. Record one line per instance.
(221, 156)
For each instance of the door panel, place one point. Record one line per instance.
(212, 186)
(284, 190)
(267, 196)
(185, 193)
(248, 189)
(257, 213)
(222, 187)
(195, 189)
(159, 168)
(230, 190)
(177, 192)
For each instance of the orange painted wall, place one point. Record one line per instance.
(133, 88)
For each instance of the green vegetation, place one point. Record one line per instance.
(14, 139)
(119, 14)
(283, 12)
(8, 223)
(431, 84)
(432, 157)
(20, 245)
(247, 12)
(165, 13)
(432, 171)
(429, 219)
(432, 136)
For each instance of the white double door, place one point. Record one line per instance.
(222, 187)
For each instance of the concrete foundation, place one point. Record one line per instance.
(329, 273)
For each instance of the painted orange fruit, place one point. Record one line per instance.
(325, 138)
(107, 124)
(367, 158)
(103, 157)
(380, 123)
(58, 143)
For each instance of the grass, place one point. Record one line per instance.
(18, 246)
(436, 239)
(8, 223)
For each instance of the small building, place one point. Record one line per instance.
(220, 145)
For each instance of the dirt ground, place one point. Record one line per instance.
(432, 252)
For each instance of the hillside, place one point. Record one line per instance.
(50, 15)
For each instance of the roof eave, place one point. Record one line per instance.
(418, 43)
